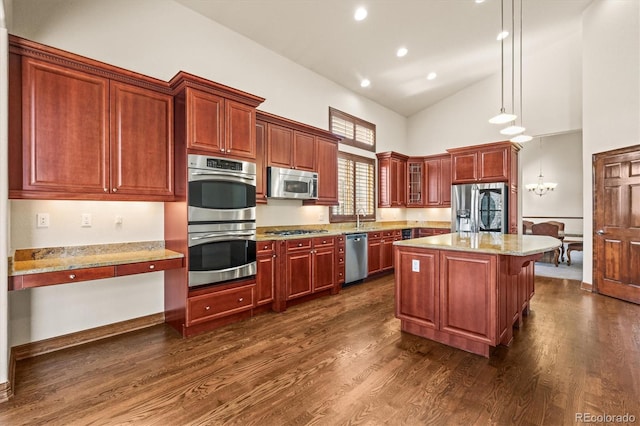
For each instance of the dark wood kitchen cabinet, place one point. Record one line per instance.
(429, 181)
(483, 163)
(261, 162)
(80, 129)
(392, 187)
(215, 119)
(291, 144)
(340, 259)
(267, 266)
(309, 269)
(380, 250)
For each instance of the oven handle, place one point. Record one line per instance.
(222, 236)
(231, 175)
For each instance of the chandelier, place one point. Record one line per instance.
(541, 187)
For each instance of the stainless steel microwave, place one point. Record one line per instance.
(292, 184)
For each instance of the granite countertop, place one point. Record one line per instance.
(486, 242)
(39, 260)
(346, 228)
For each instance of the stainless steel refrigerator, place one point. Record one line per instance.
(480, 207)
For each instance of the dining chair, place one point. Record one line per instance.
(560, 237)
(526, 226)
(551, 230)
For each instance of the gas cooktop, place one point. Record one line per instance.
(297, 232)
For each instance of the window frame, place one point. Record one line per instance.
(335, 218)
(356, 122)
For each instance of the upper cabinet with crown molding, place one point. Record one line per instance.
(82, 129)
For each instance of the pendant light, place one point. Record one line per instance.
(503, 117)
(513, 129)
(521, 138)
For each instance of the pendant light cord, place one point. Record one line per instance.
(502, 55)
(513, 75)
(520, 62)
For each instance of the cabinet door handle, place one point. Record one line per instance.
(274, 256)
(600, 232)
(152, 266)
(115, 189)
(241, 299)
(206, 308)
(72, 276)
(105, 189)
(299, 244)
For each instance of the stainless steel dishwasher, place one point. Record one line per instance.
(356, 258)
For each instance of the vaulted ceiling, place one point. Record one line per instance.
(454, 38)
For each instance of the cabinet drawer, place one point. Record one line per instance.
(142, 267)
(263, 247)
(340, 239)
(374, 235)
(390, 233)
(341, 271)
(219, 303)
(299, 244)
(64, 277)
(324, 241)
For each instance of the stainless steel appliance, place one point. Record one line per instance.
(221, 252)
(292, 184)
(221, 189)
(479, 207)
(221, 216)
(356, 258)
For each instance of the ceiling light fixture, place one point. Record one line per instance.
(431, 76)
(365, 83)
(479, 1)
(360, 14)
(503, 117)
(402, 52)
(521, 138)
(512, 130)
(541, 187)
(502, 35)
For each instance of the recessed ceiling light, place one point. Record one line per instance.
(360, 14)
(365, 83)
(502, 35)
(479, 1)
(432, 75)
(402, 52)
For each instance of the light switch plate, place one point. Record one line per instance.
(85, 221)
(415, 265)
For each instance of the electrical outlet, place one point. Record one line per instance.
(118, 220)
(85, 221)
(42, 220)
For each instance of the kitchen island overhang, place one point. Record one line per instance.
(467, 290)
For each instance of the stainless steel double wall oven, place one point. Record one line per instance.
(222, 219)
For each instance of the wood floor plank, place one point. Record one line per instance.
(343, 360)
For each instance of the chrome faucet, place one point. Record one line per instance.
(358, 216)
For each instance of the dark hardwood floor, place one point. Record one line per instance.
(342, 360)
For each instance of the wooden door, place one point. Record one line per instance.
(493, 165)
(373, 255)
(265, 278)
(465, 167)
(432, 172)
(417, 287)
(617, 224)
(398, 185)
(324, 268)
(279, 146)
(327, 158)
(386, 253)
(261, 166)
(205, 125)
(299, 273)
(445, 181)
(141, 142)
(304, 150)
(65, 129)
(415, 183)
(240, 128)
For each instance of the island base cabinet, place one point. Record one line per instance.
(470, 301)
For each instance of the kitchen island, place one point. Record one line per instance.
(467, 290)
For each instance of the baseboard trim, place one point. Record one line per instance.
(41, 347)
(6, 389)
(586, 286)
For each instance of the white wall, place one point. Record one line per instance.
(611, 92)
(560, 157)
(158, 38)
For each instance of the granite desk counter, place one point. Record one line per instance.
(467, 290)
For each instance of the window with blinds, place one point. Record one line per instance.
(354, 131)
(356, 189)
